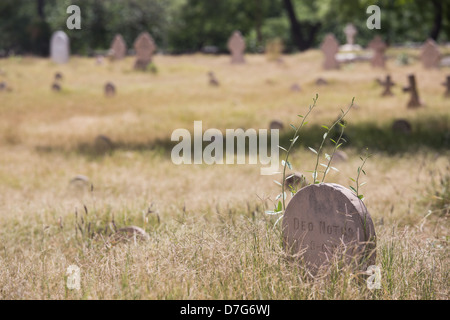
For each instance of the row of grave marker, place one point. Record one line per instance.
(145, 47)
(430, 53)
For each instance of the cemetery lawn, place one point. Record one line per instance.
(209, 235)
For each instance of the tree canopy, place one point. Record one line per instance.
(180, 26)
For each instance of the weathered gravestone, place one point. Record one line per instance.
(327, 221)
(145, 47)
(401, 126)
(447, 87)
(378, 47)
(60, 47)
(276, 125)
(414, 101)
(110, 89)
(387, 84)
(330, 48)
(430, 54)
(118, 49)
(236, 45)
(213, 80)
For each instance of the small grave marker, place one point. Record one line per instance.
(414, 101)
(129, 234)
(110, 89)
(295, 88)
(402, 126)
(321, 82)
(56, 87)
(276, 125)
(387, 84)
(296, 181)
(103, 144)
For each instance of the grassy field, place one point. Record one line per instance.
(209, 235)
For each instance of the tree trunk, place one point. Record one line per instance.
(40, 8)
(437, 23)
(298, 30)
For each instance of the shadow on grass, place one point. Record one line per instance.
(427, 133)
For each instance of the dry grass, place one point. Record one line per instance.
(210, 238)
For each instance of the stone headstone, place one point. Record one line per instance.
(330, 48)
(118, 48)
(236, 45)
(378, 47)
(326, 220)
(110, 89)
(414, 101)
(447, 87)
(145, 47)
(402, 126)
(213, 80)
(387, 84)
(430, 54)
(60, 47)
(276, 125)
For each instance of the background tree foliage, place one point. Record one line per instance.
(181, 26)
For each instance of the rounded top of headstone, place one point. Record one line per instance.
(60, 34)
(325, 221)
(276, 125)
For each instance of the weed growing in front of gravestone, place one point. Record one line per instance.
(358, 185)
(337, 144)
(280, 206)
